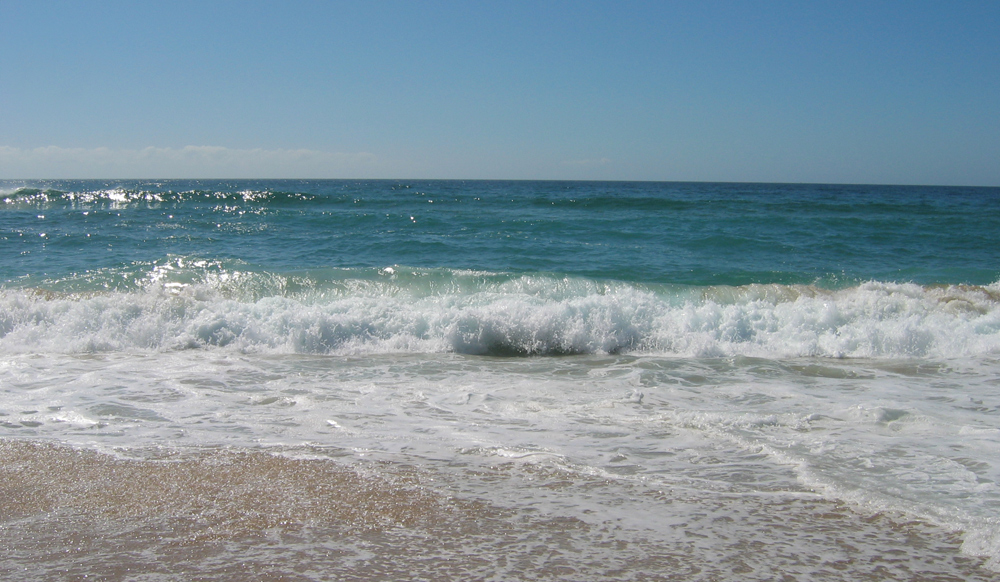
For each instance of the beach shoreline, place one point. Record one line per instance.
(225, 514)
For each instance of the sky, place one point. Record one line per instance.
(875, 92)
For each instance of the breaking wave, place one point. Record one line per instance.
(120, 197)
(187, 304)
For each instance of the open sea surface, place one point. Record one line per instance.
(498, 380)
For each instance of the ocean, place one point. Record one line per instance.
(498, 380)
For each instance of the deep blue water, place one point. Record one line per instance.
(672, 233)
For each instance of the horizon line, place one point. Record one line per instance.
(638, 181)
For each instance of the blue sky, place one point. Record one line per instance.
(842, 92)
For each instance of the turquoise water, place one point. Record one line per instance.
(667, 233)
(729, 381)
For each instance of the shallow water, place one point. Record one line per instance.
(227, 515)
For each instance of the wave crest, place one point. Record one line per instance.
(423, 311)
(119, 197)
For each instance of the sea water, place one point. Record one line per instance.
(487, 380)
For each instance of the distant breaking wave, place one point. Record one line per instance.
(125, 197)
(184, 304)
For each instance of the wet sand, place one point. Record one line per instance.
(218, 514)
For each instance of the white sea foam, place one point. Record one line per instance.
(522, 315)
(901, 437)
(881, 396)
